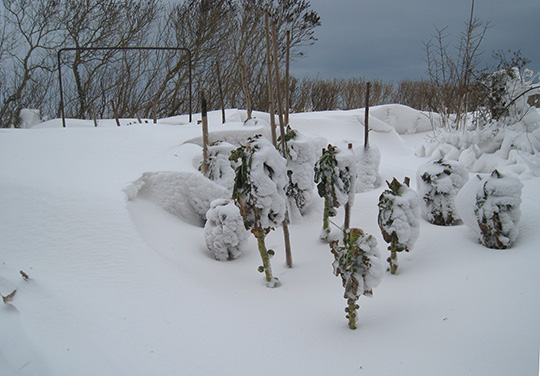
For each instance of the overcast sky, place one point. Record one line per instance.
(384, 39)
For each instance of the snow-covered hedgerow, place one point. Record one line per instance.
(399, 213)
(490, 206)
(505, 135)
(220, 167)
(438, 183)
(358, 262)
(301, 158)
(335, 176)
(259, 192)
(224, 230)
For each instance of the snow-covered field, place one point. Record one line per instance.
(120, 286)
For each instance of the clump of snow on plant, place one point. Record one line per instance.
(301, 158)
(400, 216)
(266, 181)
(489, 205)
(363, 264)
(220, 167)
(224, 230)
(347, 166)
(367, 168)
(438, 183)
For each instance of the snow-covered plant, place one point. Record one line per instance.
(438, 184)
(259, 193)
(490, 206)
(367, 170)
(357, 261)
(335, 176)
(301, 158)
(220, 167)
(399, 212)
(224, 230)
(508, 90)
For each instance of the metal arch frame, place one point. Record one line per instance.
(120, 49)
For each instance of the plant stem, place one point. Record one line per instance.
(393, 259)
(259, 234)
(351, 313)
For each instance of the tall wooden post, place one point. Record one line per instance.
(204, 116)
(286, 236)
(278, 82)
(366, 118)
(220, 86)
(271, 108)
(243, 78)
(347, 221)
(287, 88)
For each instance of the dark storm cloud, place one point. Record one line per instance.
(384, 39)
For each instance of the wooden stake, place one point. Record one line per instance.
(347, 221)
(243, 77)
(286, 235)
(271, 108)
(287, 88)
(278, 83)
(204, 116)
(366, 118)
(220, 86)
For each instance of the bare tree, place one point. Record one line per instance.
(453, 74)
(28, 40)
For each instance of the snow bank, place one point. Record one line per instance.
(404, 119)
(184, 194)
(509, 148)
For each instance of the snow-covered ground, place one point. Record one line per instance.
(104, 222)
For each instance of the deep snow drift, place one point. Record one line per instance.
(107, 224)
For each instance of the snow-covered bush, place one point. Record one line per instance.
(506, 135)
(508, 90)
(399, 212)
(224, 230)
(335, 176)
(367, 168)
(357, 260)
(259, 193)
(438, 183)
(220, 167)
(490, 206)
(300, 161)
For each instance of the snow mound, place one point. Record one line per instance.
(404, 119)
(187, 195)
(511, 149)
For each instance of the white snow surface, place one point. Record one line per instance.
(121, 282)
